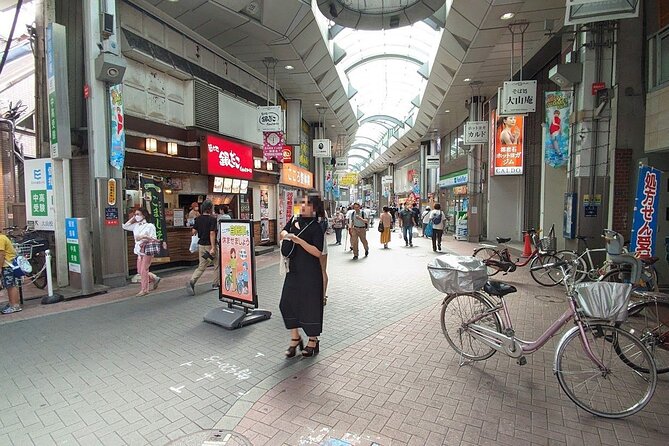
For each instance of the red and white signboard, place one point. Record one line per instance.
(227, 158)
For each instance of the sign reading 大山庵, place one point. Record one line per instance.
(646, 212)
(227, 158)
(270, 119)
(476, 132)
(518, 97)
(38, 182)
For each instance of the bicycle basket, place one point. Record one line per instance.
(604, 300)
(548, 244)
(457, 274)
(24, 250)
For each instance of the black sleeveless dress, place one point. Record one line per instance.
(301, 302)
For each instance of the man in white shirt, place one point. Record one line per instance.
(358, 222)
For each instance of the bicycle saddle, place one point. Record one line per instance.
(503, 239)
(499, 289)
(649, 260)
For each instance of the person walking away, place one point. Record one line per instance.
(425, 218)
(438, 219)
(301, 301)
(338, 225)
(387, 221)
(9, 281)
(358, 224)
(205, 228)
(143, 231)
(406, 218)
(416, 214)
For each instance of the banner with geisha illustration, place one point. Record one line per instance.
(117, 134)
(237, 262)
(557, 131)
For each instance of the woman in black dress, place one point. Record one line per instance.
(302, 296)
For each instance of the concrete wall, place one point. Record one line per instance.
(657, 120)
(505, 207)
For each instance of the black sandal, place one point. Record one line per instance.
(311, 351)
(291, 349)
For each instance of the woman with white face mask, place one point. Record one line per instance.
(143, 231)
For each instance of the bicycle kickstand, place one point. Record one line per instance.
(463, 361)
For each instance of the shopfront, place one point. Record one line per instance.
(453, 196)
(407, 181)
(295, 182)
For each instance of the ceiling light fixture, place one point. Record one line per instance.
(151, 145)
(289, 67)
(172, 148)
(467, 79)
(447, 111)
(317, 104)
(508, 15)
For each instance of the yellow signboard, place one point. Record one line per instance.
(111, 192)
(348, 179)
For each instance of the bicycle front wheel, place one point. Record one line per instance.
(484, 254)
(580, 271)
(456, 311)
(649, 321)
(615, 391)
(543, 273)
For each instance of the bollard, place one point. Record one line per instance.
(51, 297)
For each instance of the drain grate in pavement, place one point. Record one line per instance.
(212, 438)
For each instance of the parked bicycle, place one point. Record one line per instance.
(30, 245)
(597, 364)
(498, 258)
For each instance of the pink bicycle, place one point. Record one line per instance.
(603, 369)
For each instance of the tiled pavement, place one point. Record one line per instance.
(148, 371)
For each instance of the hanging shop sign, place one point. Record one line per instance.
(329, 177)
(154, 201)
(270, 119)
(228, 158)
(111, 192)
(322, 148)
(38, 182)
(237, 262)
(273, 144)
(646, 212)
(476, 132)
(556, 137)
(387, 180)
(348, 179)
(341, 163)
(507, 148)
(518, 97)
(454, 179)
(293, 175)
(117, 134)
(432, 161)
(287, 154)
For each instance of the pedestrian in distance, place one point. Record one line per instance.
(205, 228)
(358, 223)
(387, 222)
(9, 281)
(301, 301)
(416, 214)
(407, 219)
(143, 231)
(322, 218)
(193, 213)
(425, 218)
(338, 224)
(438, 220)
(225, 213)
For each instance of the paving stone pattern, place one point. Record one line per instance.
(148, 371)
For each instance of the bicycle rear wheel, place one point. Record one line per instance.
(484, 254)
(617, 391)
(580, 271)
(649, 321)
(545, 275)
(456, 311)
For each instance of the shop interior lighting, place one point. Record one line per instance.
(151, 145)
(257, 163)
(270, 165)
(508, 16)
(172, 148)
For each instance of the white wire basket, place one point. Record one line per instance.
(604, 300)
(25, 250)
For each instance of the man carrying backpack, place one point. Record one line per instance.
(438, 219)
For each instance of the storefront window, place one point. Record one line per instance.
(454, 144)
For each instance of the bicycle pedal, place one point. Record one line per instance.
(521, 361)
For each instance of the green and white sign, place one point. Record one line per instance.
(38, 182)
(57, 86)
(72, 239)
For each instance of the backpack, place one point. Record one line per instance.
(20, 266)
(436, 220)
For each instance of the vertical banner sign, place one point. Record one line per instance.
(508, 145)
(117, 134)
(38, 182)
(646, 212)
(237, 262)
(286, 207)
(303, 159)
(152, 193)
(329, 177)
(72, 245)
(558, 108)
(56, 87)
(273, 144)
(264, 214)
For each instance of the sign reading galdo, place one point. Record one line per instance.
(227, 158)
(270, 119)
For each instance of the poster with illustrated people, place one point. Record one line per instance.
(264, 215)
(117, 134)
(237, 261)
(558, 108)
(329, 177)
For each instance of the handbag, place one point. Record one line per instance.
(151, 247)
(193, 243)
(288, 246)
(381, 227)
(428, 230)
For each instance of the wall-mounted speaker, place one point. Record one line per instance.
(109, 68)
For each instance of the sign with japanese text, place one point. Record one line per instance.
(558, 108)
(111, 192)
(72, 245)
(518, 97)
(387, 179)
(287, 154)
(117, 134)
(341, 163)
(273, 144)
(646, 212)
(454, 179)
(322, 148)
(237, 262)
(507, 148)
(293, 175)
(476, 132)
(57, 94)
(348, 179)
(153, 199)
(432, 162)
(286, 204)
(227, 158)
(38, 182)
(270, 119)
